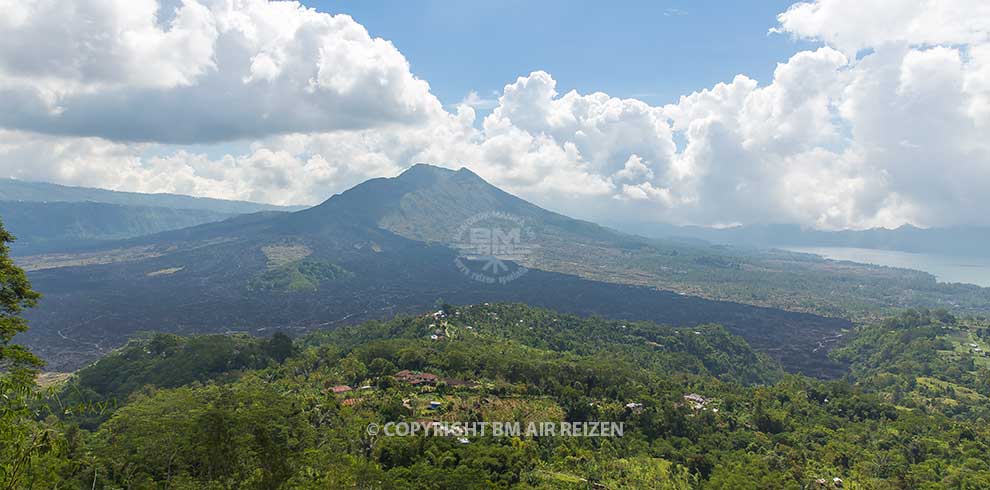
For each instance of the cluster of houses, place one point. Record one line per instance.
(696, 401)
(439, 326)
(976, 350)
(412, 378)
(415, 378)
(341, 389)
(345, 390)
(693, 400)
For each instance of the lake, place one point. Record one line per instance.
(972, 270)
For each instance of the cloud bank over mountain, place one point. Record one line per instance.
(884, 123)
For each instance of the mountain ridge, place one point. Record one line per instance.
(19, 190)
(199, 279)
(966, 241)
(45, 227)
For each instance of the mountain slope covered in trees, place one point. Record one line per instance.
(699, 409)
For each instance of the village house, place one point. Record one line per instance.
(416, 378)
(696, 401)
(341, 389)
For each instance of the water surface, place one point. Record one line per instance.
(972, 270)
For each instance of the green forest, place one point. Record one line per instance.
(700, 409)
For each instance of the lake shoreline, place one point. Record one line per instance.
(946, 269)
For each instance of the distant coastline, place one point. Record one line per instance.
(948, 269)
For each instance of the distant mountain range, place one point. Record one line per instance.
(380, 248)
(49, 217)
(405, 244)
(53, 226)
(955, 241)
(17, 190)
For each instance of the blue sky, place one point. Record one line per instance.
(655, 51)
(868, 123)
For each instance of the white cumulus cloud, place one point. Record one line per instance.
(215, 70)
(852, 25)
(884, 123)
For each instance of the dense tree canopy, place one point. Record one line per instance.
(699, 409)
(15, 295)
(23, 443)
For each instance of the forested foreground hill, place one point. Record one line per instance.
(699, 409)
(930, 361)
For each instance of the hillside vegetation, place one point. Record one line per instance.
(699, 409)
(930, 361)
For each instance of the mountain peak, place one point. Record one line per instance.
(420, 190)
(420, 170)
(425, 173)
